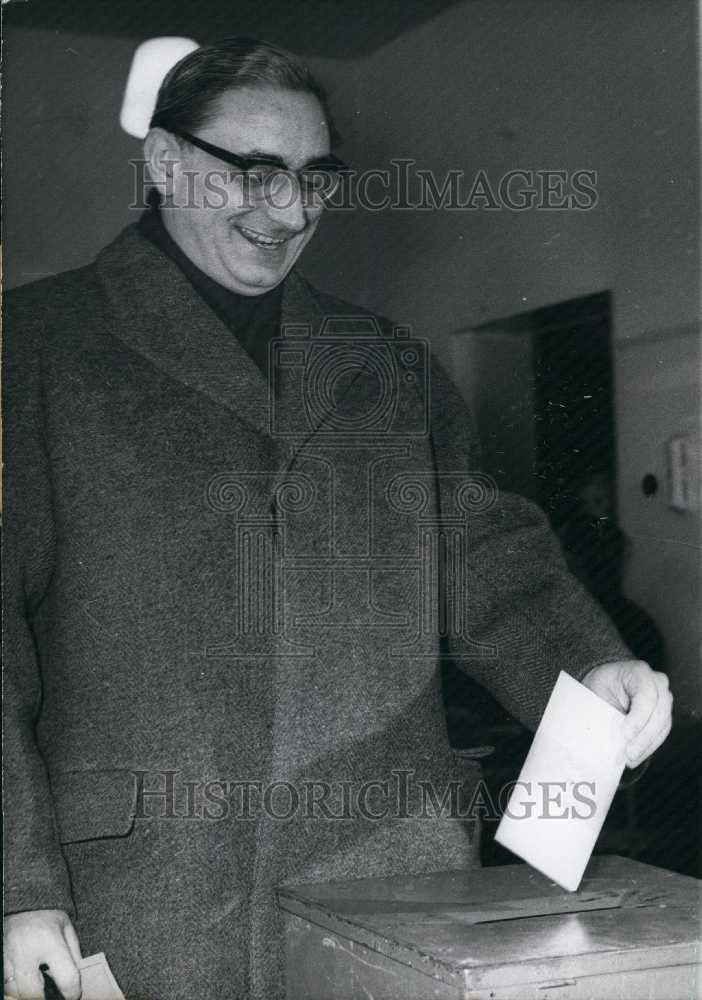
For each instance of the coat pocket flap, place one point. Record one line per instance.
(94, 804)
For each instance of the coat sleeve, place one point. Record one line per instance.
(526, 617)
(36, 876)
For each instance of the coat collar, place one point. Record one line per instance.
(158, 314)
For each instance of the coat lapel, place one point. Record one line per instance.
(157, 313)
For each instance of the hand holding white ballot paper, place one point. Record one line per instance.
(96, 979)
(566, 786)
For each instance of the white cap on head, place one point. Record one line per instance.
(152, 60)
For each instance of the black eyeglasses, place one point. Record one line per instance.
(318, 180)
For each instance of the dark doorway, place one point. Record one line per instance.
(541, 387)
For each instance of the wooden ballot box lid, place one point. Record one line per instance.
(497, 932)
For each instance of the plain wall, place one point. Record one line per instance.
(659, 397)
(537, 85)
(65, 160)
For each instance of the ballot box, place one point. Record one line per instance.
(631, 932)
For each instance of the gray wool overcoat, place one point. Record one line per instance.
(225, 612)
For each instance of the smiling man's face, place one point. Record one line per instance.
(249, 244)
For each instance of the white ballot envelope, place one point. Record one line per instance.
(566, 786)
(97, 980)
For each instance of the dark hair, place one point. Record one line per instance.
(187, 95)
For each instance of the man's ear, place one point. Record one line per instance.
(162, 154)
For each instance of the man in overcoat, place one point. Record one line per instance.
(244, 522)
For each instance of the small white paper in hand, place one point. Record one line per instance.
(566, 786)
(97, 981)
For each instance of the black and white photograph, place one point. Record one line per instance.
(352, 500)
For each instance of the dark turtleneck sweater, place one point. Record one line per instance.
(253, 319)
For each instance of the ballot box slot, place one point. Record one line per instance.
(533, 909)
(423, 912)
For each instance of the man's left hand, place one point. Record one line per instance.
(642, 695)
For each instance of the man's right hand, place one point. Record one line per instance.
(38, 937)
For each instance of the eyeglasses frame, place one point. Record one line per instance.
(328, 164)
